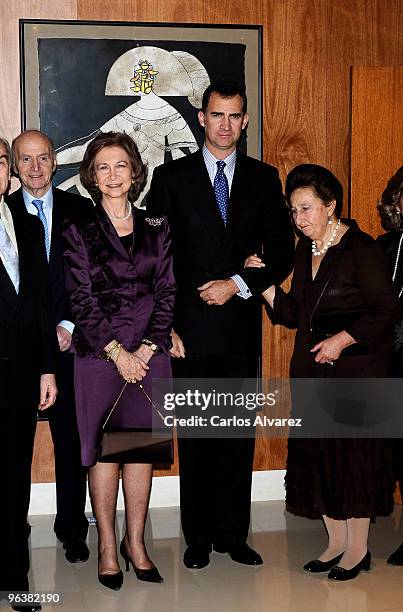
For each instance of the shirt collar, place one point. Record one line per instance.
(229, 160)
(47, 198)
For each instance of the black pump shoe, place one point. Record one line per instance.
(396, 558)
(316, 566)
(339, 573)
(147, 575)
(112, 581)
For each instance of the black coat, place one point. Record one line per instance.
(27, 336)
(389, 243)
(66, 207)
(358, 298)
(204, 249)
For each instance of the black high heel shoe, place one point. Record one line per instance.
(316, 566)
(112, 581)
(339, 573)
(148, 575)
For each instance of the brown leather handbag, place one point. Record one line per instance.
(118, 445)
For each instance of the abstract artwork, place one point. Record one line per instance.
(79, 79)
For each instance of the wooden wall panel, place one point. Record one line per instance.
(309, 48)
(10, 13)
(376, 139)
(360, 32)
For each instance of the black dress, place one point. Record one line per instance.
(390, 243)
(340, 478)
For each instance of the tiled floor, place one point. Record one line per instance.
(280, 585)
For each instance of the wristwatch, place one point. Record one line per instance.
(150, 345)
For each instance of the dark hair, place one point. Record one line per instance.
(226, 89)
(323, 182)
(390, 202)
(4, 142)
(113, 139)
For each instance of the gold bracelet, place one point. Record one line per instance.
(113, 352)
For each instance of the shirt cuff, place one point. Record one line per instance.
(68, 325)
(244, 291)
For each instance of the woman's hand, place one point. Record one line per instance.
(330, 349)
(48, 391)
(130, 366)
(253, 261)
(144, 353)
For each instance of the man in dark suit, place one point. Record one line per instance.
(34, 162)
(221, 206)
(27, 355)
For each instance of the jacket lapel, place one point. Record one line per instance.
(8, 295)
(57, 226)
(205, 204)
(237, 208)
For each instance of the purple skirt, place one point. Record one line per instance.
(97, 386)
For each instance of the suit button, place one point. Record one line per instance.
(130, 268)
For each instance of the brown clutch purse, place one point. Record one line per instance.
(119, 445)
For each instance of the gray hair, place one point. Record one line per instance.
(4, 142)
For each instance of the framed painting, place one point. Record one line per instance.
(146, 79)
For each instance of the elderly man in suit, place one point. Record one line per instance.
(221, 206)
(27, 355)
(34, 162)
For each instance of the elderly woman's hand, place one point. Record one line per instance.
(330, 349)
(253, 261)
(130, 366)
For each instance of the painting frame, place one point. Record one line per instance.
(34, 31)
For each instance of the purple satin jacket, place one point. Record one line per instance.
(114, 294)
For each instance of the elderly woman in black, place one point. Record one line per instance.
(390, 208)
(339, 272)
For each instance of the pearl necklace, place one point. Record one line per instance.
(328, 243)
(129, 212)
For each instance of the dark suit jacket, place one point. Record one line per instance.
(27, 337)
(66, 206)
(204, 249)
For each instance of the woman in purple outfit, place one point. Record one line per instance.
(121, 286)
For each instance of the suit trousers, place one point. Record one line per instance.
(215, 474)
(71, 485)
(17, 431)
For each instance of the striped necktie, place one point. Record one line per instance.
(10, 256)
(39, 207)
(221, 190)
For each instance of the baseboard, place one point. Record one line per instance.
(266, 486)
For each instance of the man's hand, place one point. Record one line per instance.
(217, 292)
(63, 337)
(48, 391)
(178, 349)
